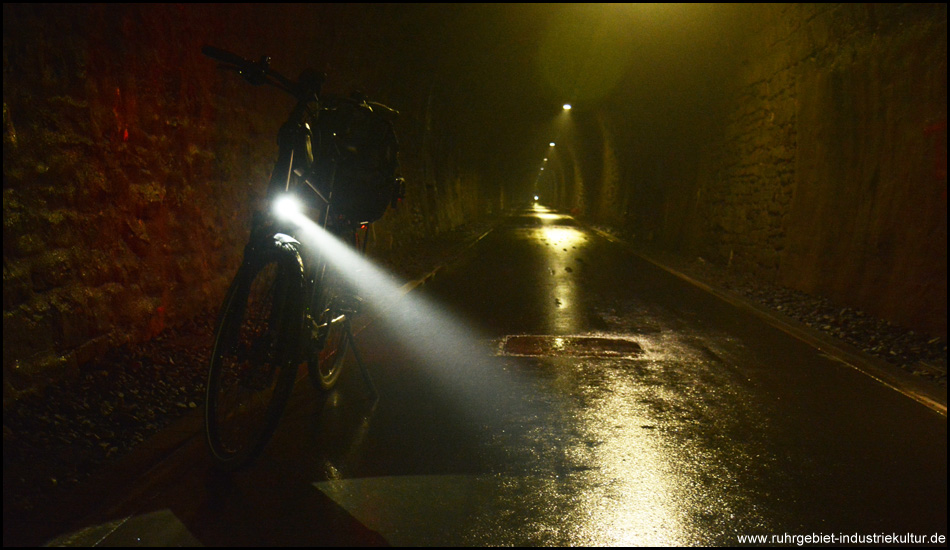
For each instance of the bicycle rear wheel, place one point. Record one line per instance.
(330, 335)
(252, 368)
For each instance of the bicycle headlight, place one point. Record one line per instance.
(287, 207)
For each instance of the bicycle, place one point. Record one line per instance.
(337, 159)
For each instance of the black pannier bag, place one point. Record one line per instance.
(364, 142)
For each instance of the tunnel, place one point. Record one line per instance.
(803, 144)
(660, 274)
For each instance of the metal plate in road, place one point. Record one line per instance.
(570, 346)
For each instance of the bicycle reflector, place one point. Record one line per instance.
(287, 207)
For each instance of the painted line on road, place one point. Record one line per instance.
(412, 285)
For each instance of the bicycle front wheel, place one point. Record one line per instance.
(252, 368)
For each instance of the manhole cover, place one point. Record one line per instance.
(570, 346)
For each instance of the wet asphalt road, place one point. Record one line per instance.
(551, 388)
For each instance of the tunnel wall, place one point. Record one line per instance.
(131, 165)
(820, 164)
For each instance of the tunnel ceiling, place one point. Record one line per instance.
(500, 73)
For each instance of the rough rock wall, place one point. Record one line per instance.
(820, 163)
(828, 179)
(131, 165)
(868, 220)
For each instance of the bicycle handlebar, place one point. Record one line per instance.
(258, 73)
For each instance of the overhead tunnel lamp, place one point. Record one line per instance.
(551, 144)
(567, 106)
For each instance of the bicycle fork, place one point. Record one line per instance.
(343, 309)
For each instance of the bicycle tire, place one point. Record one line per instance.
(253, 367)
(331, 336)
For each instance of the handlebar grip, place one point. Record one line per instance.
(226, 57)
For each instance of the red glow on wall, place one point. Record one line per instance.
(120, 122)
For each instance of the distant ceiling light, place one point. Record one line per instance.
(551, 144)
(567, 106)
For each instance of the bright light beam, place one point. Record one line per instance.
(444, 345)
(633, 494)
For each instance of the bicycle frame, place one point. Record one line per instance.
(284, 305)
